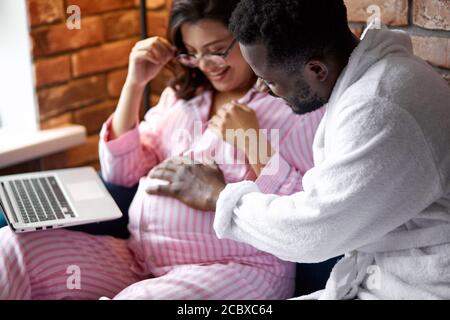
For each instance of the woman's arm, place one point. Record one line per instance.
(147, 58)
(124, 157)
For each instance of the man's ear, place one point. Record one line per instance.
(316, 70)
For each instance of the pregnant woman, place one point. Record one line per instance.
(173, 252)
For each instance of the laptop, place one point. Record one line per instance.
(55, 199)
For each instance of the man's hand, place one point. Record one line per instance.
(196, 185)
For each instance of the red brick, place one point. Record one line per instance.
(93, 117)
(157, 22)
(357, 31)
(77, 156)
(393, 12)
(432, 14)
(102, 58)
(154, 4)
(59, 38)
(154, 99)
(121, 25)
(88, 7)
(435, 50)
(53, 70)
(83, 154)
(57, 100)
(115, 82)
(44, 11)
(58, 121)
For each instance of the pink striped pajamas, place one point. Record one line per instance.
(173, 252)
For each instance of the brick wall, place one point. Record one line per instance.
(80, 73)
(428, 22)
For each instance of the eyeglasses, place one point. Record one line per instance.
(216, 59)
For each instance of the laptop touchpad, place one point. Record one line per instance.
(85, 190)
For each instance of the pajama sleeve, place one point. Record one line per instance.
(283, 174)
(126, 159)
(279, 177)
(373, 179)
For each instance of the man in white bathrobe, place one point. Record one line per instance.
(380, 189)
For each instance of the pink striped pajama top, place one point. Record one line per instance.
(165, 233)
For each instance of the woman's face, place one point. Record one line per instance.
(209, 36)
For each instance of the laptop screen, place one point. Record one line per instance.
(2, 211)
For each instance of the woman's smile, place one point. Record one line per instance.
(218, 76)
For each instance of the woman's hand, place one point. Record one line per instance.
(245, 132)
(147, 58)
(235, 117)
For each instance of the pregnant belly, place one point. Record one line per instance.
(163, 215)
(170, 233)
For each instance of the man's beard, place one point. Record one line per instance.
(304, 101)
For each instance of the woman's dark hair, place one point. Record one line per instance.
(293, 30)
(187, 80)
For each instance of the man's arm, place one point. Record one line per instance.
(374, 179)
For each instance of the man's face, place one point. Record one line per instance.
(290, 85)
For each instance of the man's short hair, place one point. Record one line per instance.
(293, 29)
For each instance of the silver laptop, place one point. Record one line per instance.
(54, 199)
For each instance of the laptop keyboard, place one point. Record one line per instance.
(40, 199)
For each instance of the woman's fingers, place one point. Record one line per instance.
(227, 111)
(160, 49)
(149, 42)
(239, 106)
(157, 55)
(168, 45)
(144, 56)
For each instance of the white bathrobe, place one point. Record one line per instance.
(380, 189)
